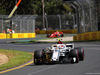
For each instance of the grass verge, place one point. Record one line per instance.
(16, 58)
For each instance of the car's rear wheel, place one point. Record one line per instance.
(74, 54)
(81, 54)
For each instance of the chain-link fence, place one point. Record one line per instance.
(87, 16)
(55, 22)
(30, 23)
(98, 13)
(18, 24)
(85, 20)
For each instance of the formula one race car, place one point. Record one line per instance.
(59, 53)
(55, 34)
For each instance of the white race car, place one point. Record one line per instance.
(59, 53)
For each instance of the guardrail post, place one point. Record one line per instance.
(59, 21)
(2, 25)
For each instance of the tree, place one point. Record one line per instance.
(53, 7)
(2, 11)
(31, 7)
(27, 7)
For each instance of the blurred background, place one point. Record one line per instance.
(35, 15)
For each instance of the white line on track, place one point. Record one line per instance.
(92, 73)
(95, 49)
(42, 70)
(86, 45)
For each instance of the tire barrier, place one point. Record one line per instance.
(52, 31)
(2, 36)
(17, 35)
(87, 36)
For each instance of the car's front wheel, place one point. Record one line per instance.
(62, 35)
(37, 57)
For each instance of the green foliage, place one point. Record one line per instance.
(7, 6)
(53, 7)
(2, 10)
(31, 7)
(66, 7)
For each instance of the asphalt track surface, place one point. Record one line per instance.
(90, 66)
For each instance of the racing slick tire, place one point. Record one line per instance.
(62, 35)
(81, 53)
(57, 35)
(38, 57)
(48, 35)
(74, 54)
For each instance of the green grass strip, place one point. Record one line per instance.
(16, 58)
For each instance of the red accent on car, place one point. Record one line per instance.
(55, 34)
